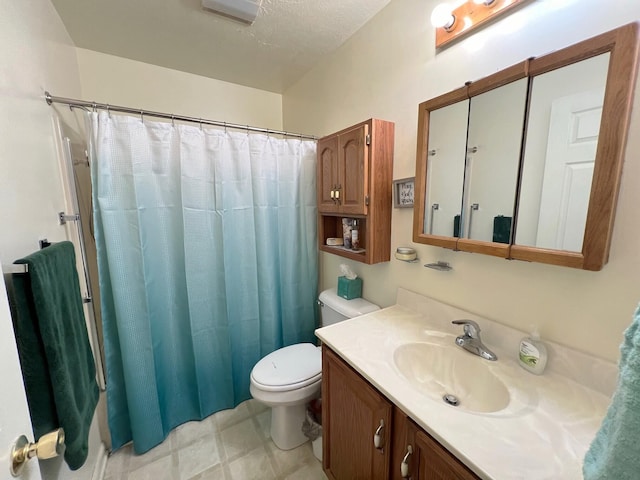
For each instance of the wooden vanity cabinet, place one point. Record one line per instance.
(352, 412)
(354, 180)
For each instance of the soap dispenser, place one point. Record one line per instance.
(533, 353)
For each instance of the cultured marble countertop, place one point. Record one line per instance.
(545, 430)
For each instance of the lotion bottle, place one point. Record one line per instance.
(355, 240)
(533, 354)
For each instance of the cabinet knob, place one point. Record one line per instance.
(404, 466)
(378, 437)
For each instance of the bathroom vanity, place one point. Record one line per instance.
(384, 378)
(398, 448)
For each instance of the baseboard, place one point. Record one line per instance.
(101, 463)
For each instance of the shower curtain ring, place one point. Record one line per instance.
(95, 107)
(173, 120)
(108, 111)
(225, 127)
(200, 124)
(247, 127)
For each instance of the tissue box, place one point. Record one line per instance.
(349, 289)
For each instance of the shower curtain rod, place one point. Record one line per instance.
(169, 116)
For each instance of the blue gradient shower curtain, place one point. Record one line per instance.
(207, 256)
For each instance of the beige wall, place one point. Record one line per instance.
(36, 54)
(389, 67)
(120, 81)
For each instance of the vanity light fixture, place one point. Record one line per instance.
(442, 17)
(451, 23)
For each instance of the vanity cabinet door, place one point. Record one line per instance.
(353, 411)
(434, 462)
(404, 434)
(417, 456)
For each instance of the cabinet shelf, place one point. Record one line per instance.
(358, 255)
(337, 248)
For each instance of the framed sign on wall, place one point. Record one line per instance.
(403, 192)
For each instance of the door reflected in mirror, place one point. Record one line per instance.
(496, 122)
(445, 175)
(560, 153)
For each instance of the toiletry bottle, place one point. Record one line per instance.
(346, 232)
(355, 242)
(533, 353)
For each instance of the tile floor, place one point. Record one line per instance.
(232, 444)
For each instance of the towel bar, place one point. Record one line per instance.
(15, 268)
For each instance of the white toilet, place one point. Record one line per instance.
(290, 377)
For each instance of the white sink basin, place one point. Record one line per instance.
(438, 369)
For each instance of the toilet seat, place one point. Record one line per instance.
(288, 368)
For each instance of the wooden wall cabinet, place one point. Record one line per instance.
(355, 168)
(354, 413)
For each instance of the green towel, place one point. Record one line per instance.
(57, 363)
(615, 452)
(501, 229)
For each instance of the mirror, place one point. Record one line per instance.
(545, 144)
(562, 136)
(445, 174)
(470, 163)
(496, 119)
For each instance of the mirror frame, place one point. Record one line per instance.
(420, 187)
(622, 45)
(508, 75)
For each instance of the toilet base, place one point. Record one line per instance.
(286, 426)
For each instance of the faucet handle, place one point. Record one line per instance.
(471, 328)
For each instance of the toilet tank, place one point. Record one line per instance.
(335, 309)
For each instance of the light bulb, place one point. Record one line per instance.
(441, 17)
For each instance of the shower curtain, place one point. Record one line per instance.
(207, 256)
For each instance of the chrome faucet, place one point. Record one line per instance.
(470, 340)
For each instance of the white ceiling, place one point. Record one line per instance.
(287, 39)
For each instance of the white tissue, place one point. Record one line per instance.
(347, 272)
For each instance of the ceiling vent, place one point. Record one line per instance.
(244, 11)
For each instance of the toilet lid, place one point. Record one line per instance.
(288, 368)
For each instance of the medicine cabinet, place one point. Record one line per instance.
(526, 163)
